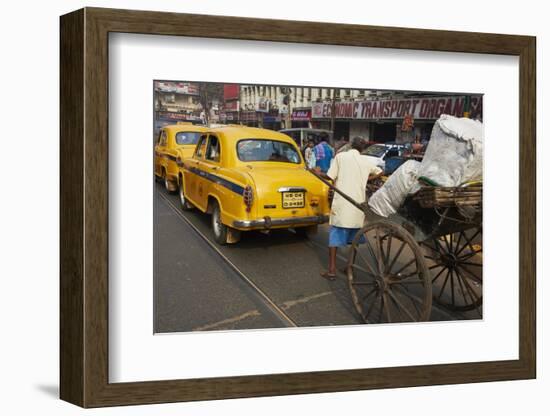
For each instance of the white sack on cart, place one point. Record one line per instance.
(391, 195)
(455, 152)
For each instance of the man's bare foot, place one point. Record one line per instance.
(328, 275)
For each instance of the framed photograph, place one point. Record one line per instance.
(254, 207)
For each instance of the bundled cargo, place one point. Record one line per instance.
(391, 195)
(455, 152)
(454, 156)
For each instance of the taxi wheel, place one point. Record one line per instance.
(185, 204)
(220, 229)
(168, 184)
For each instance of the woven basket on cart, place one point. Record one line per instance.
(453, 196)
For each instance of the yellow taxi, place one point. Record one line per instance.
(251, 179)
(174, 142)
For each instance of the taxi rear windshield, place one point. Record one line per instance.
(263, 150)
(185, 137)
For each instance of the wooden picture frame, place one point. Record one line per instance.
(84, 207)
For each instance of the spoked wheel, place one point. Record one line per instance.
(387, 275)
(457, 267)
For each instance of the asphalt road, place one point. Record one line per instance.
(265, 281)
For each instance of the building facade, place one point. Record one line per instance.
(379, 116)
(176, 101)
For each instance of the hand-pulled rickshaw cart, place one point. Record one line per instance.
(429, 250)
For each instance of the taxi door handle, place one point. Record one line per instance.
(214, 167)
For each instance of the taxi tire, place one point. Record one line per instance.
(184, 202)
(169, 186)
(219, 229)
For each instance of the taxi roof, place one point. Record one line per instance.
(234, 133)
(185, 127)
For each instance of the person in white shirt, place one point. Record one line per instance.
(309, 155)
(350, 172)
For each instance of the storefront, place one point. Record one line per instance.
(229, 117)
(271, 120)
(165, 118)
(250, 118)
(383, 120)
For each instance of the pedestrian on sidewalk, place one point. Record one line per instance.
(350, 172)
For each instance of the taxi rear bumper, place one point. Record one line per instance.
(268, 222)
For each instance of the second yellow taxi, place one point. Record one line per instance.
(251, 179)
(174, 142)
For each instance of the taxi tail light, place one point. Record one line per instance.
(248, 197)
(314, 202)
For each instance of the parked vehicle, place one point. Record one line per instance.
(379, 153)
(173, 142)
(412, 151)
(251, 179)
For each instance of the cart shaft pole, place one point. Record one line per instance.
(342, 194)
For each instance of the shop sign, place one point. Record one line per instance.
(177, 87)
(229, 116)
(231, 105)
(271, 119)
(231, 91)
(418, 108)
(167, 115)
(301, 115)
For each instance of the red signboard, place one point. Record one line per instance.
(418, 108)
(231, 91)
(301, 115)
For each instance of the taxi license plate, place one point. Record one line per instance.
(293, 200)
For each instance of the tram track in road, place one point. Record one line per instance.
(253, 288)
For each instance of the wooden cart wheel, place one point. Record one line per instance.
(456, 264)
(388, 277)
